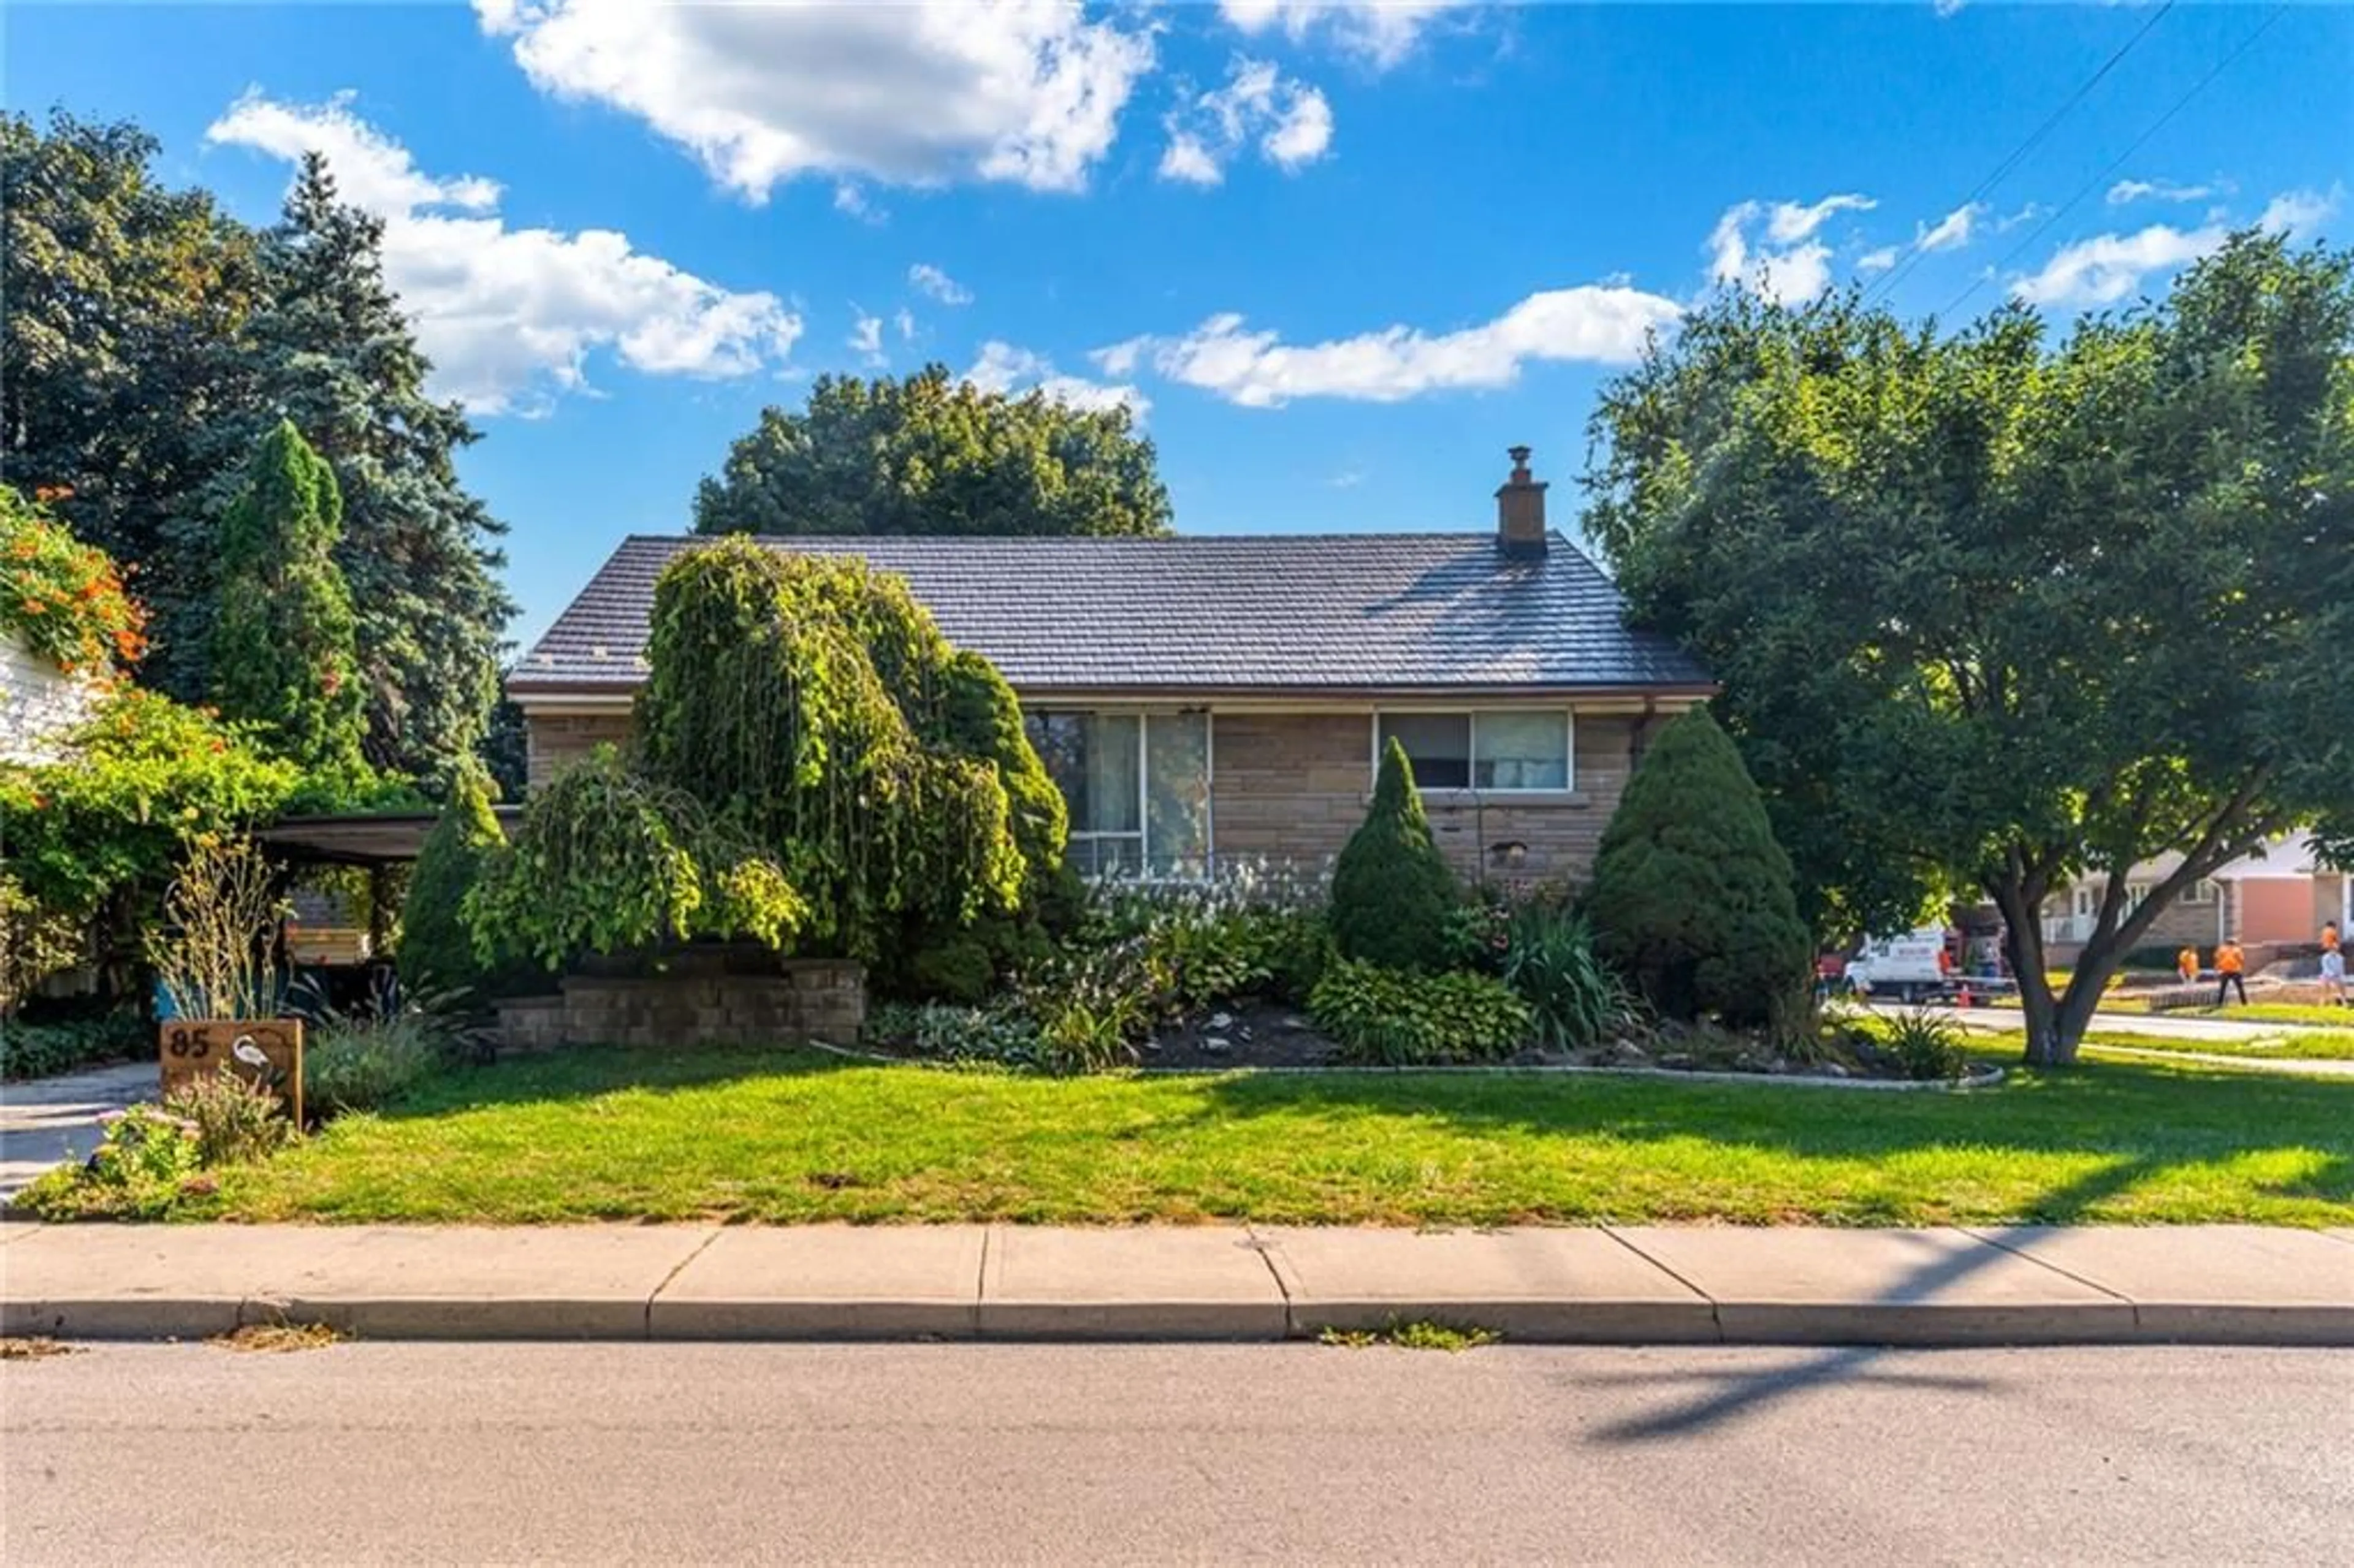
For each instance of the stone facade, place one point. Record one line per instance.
(1289, 787)
(556, 739)
(1292, 787)
(699, 1003)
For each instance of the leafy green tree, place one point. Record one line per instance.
(97, 831)
(149, 344)
(122, 298)
(1691, 897)
(1991, 610)
(437, 951)
(1392, 888)
(283, 651)
(932, 454)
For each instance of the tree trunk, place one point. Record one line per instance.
(2022, 943)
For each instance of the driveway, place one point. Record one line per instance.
(48, 1121)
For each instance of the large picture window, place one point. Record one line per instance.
(1137, 788)
(1505, 751)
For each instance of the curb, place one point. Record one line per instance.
(1519, 1320)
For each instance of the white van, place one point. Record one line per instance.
(1901, 968)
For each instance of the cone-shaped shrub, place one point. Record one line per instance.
(1392, 888)
(1691, 898)
(436, 950)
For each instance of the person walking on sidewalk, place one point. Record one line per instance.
(2333, 968)
(2231, 968)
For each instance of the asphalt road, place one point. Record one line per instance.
(932, 1453)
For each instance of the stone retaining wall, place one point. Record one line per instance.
(800, 1000)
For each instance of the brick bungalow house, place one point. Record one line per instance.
(1213, 699)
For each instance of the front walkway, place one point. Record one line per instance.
(2156, 1025)
(48, 1121)
(1620, 1284)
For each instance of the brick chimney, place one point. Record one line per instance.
(1520, 510)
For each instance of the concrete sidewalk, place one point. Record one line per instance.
(1640, 1284)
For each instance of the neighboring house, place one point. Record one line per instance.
(1213, 699)
(2275, 897)
(38, 704)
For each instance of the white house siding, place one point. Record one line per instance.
(39, 702)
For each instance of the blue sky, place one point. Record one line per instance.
(1342, 255)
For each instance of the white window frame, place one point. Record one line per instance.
(1569, 742)
(2202, 893)
(1140, 837)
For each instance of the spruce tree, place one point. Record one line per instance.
(1392, 888)
(437, 951)
(329, 348)
(1691, 898)
(283, 655)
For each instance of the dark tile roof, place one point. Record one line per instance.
(1228, 613)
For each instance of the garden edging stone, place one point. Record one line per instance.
(1983, 1078)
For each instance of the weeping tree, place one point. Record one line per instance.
(815, 766)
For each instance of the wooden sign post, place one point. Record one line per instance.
(264, 1051)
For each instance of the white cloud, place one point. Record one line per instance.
(866, 337)
(906, 322)
(1002, 367)
(1186, 159)
(510, 315)
(922, 92)
(1951, 231)
(2027, 214)
(1290, 120)
(927, 278)
(1787, 222)
(849, 199)
(1596, 324)
(1380, 32)
(2125, 191)
(2106, 268)
(1783, 259)
(1878, 260)
(2300, 214)
(1948, 7)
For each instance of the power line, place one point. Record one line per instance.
(2118, 162)
(2034, 139)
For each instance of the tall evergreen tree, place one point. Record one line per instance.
(1392, 888)
(283, 650)
(1691, 897)
(331, 351)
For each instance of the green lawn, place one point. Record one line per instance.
(780, 1136)
(2313, 1045)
